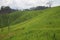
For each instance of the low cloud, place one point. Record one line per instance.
(23, 4)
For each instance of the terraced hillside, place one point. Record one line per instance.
(33, 25)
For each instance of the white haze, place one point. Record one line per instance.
(23, 4)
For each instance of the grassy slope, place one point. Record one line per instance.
(45, 26)
(16, 17)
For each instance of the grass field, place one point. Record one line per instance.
(31, 25)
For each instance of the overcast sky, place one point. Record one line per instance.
(22, 4)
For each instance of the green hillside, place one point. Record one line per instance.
(17, 17)
(32, 25)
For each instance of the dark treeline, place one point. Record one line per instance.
(6, 9)
(37, 8)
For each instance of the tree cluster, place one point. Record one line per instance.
(36, 8)
(39, 8)
(6, 9)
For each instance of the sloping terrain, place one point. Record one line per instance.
(34, 25)
(17, 17)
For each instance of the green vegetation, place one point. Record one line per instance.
(31, 25)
